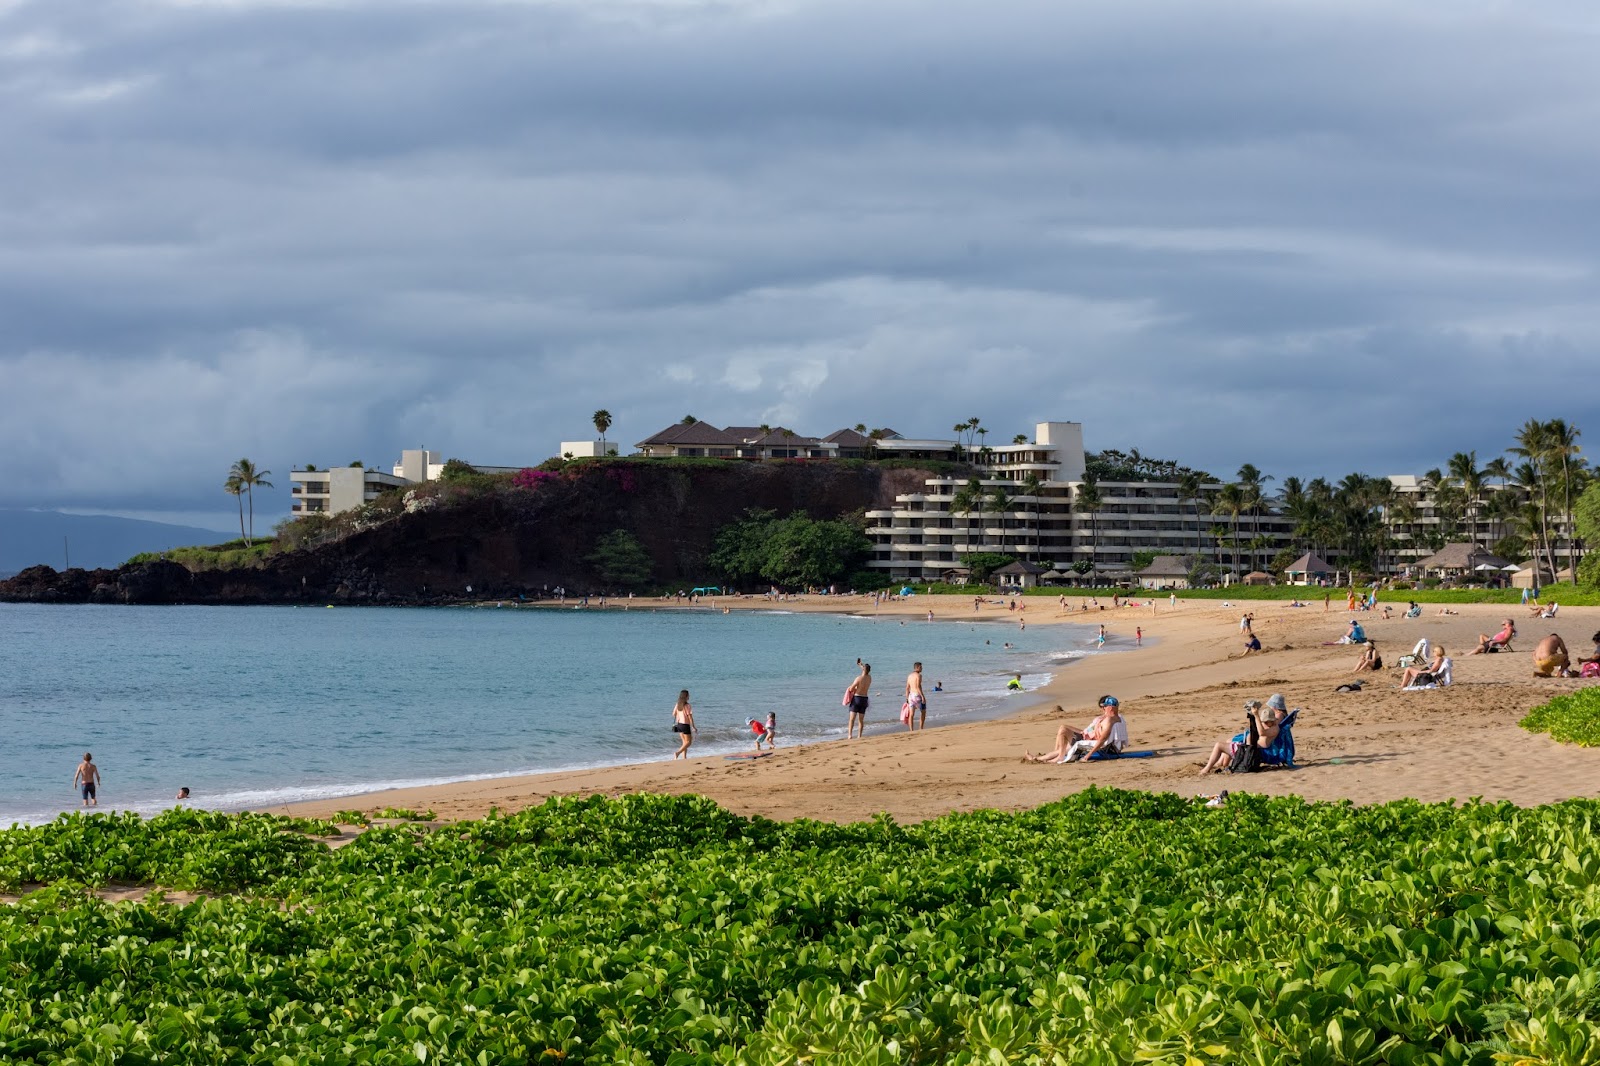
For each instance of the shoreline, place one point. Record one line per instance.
(1179, 696)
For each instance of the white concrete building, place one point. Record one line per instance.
(333, 490)
(336, 489)
(925, 534)
(587, 449)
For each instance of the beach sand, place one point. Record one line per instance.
(1178, 697)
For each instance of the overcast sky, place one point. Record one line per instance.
(1319, 236)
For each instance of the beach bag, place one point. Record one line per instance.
(1590, 670)
(1247, 756)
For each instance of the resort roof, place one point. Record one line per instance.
(1167, 566)
(847, 438)
(1463, 556)
(1309, 563)
(691, 433)
(1021, 566)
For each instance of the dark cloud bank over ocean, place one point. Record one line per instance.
(1319, 238)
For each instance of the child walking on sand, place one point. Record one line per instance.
(683, 724)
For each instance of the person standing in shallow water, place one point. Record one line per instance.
(857, 693)
(87, 781)
(683, 724)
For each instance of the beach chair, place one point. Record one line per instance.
(1281, 753)
(1414, 612)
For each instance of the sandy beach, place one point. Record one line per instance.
(1179, 696)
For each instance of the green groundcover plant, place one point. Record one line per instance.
(1110, 927)
(1573, 718)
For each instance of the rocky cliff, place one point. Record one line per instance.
(502, 540)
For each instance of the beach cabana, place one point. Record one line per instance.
(1460, 559)
(956, 575)
(1528, 577)
(1018, 575)
(1258, 577)
(1165, 572)
(1310, 568)
(1050, 577)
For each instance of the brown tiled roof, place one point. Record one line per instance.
(692, 434)
(847, 438)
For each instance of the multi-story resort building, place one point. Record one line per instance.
(334, 489)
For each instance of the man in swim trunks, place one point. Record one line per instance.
(916, 699)
(857, 693)
(1550, 657)
(87, 779)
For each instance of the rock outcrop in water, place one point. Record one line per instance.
(502, 540)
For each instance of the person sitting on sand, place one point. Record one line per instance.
(1550, 657)
(1099, 730)
(1370, 659)
(1267, 729)
(1447, 610)
(1501, 641)
(1252, 643)
(1413, 609)
(1356, 635)
(1595, 657)
(1438, 667)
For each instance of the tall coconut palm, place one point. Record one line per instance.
(1089, 501)
(1000, 503)
(1033, 489)
(235, 488)
(964, 501)
(1252, 481)
(1561, 441)
(1233, 501)
(602, 422)
(250, 479)
(1464, 472)
(1533, 445)
(1189, 489)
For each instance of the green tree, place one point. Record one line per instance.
(1561, 442)
(602, 422)
(793, 551)
(1533, 445)
(982, 564)
(1189, 489)
(621, 560)
(250, 479)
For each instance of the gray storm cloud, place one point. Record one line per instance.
(1320, 237)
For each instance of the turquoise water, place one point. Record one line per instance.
(254, 706)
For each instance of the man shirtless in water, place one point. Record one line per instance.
(916, 698)
(858, 701)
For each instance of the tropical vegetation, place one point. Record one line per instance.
(1108, 927)
(795, 551)
(1572, 718)
(243, 479)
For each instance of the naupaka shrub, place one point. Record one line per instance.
(1109, 927)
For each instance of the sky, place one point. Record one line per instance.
(1320, 236)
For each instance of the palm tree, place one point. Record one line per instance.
(602, 422)
(1562, 447)
(688, 420)
(1232, 501)
(235, 488)
(1020, 438)
(1031, 488)
(1001, 503)
(1464, 472)
(1189, 489)
(966, 499)
(250, 479)
(1533, 444)
(1251, 481)
(1089, 501)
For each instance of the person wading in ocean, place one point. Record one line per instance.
(857, 694)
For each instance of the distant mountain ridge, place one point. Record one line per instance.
(28, 538)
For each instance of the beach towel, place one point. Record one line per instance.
(1281, 752)
(1148, 753)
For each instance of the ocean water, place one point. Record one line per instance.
(255, 706)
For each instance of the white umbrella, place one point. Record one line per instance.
(1488, 566)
